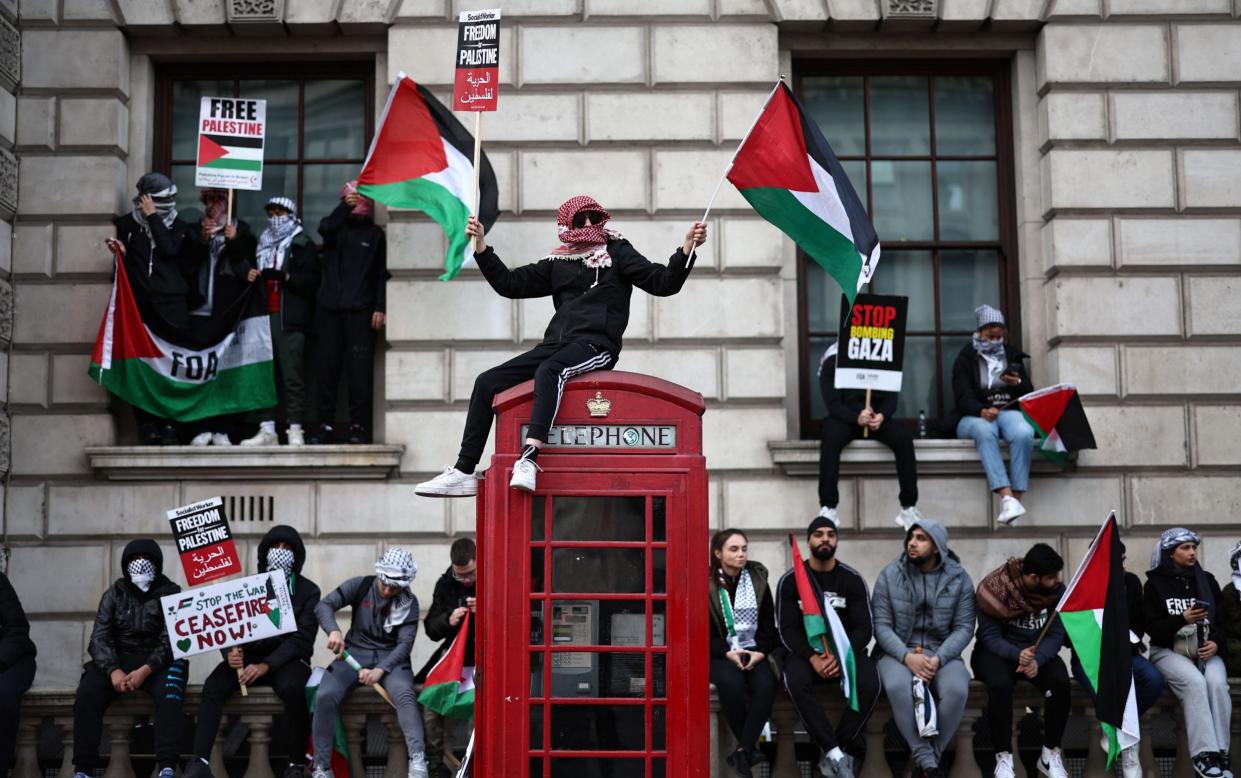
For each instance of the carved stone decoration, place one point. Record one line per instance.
(6, 311)
(248, 11)
(8, 185)
(910, 9)
(10, 55)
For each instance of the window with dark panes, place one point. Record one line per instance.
(319, 125)
(927, 146)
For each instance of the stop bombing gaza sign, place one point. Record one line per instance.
(230, 143)
(870, 349)
(221, 615)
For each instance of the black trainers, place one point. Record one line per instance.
(357, 434)
(196, 769)
(148, 434)
(933, 772)
(739, 761)
(1207, 765)
(168, 435)
(323, 435)
(292, 771)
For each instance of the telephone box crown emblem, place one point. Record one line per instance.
(599, 405)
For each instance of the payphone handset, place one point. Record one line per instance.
(575, 673)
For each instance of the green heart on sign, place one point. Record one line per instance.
(274, 615)
(184, 645)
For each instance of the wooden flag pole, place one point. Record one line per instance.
(245, 691)
(1046, 627)
(478, 155)
(728, 168)
(866, 430)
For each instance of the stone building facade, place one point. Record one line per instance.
(1121, 197)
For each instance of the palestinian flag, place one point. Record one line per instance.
(422, 158)
(788, 172)
(230, 152)
(449, 688)
(173, 373)
(824, 631)
(1095, 616)
(1059, 421)
(340, 746)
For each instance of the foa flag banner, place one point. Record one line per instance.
(476, 86)
(204, 541)
(227, 614)
(870, 351)
(230, 143)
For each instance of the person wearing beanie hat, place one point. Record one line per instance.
(987, 378)
(838, 586)
(287, 267)
(848, 416)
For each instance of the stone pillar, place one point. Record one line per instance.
(964, 765)
(28, 747)
(1096, 758)
(120, 729)
(1146, 747)
(217, 754)
(65, 724)
(784, 719)
(355, 737)
(398, 757)
(1184, 764)
(876, 765)
(260, 746)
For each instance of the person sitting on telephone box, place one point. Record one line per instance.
(281, 662)
(987, 378)
(849, 417)
(590, 278)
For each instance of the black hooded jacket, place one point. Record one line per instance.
(155, 265)
(355, 263)
(15, 642)
(449, 595)
(294, 646)
(234, 264)
(970, 396)
(129, 622)
(592, 304)
(1169, 593)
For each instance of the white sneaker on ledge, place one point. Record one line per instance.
(909, 517)
(1004, 765)
(220, 439)
(1010, 510)
(201, 439)
(418, 765)
(524, 475)
(295, 434)
(1051, 763)
(264, 437)
(1130, 763)
(829, 514)
(450, 483)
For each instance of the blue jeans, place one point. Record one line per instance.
(1147, 681)
(1013, 427)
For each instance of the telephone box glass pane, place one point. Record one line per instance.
(536, 674)
(659, 573)
(659, 664)
(538, 517)
(598, 728)
(599, 518)
(584, 674)
(658, 769)
(594, 623)
(658, 609)
(659, 519)
(536, 730)
(536, 569)
(598, 767)
(606, 570)
(659, 725)
(537, 620)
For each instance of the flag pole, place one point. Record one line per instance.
(478, 151)
(744, 138)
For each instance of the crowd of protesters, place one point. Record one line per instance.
(326, 303)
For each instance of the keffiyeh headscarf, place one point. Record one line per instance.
(1234, 560)
(164, 192)
(365, 207)
(397, 568)
(1168, 541)
(274, 242)
(141, 572)
(589, 244)
(280, 559)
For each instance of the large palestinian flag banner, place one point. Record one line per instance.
(1095, 615)
(163, 371)
(790, 175)
(422, 158)
(1059, 421)
(230, 143)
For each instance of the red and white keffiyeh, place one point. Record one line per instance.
(588, 244)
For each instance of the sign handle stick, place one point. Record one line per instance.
(245, 690)
(228, 215)
(866, 430)
(478, 153)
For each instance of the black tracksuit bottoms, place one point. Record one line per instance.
(746, 697)
(289, 683)
(95, 694)
(345, 337)
(14, 681)
(801, 682)
(550, 366)
(837, 434)
(1000, 676)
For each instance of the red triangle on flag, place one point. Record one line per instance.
(409, 144)
(1047, 406)
(209, 151)
(130, 338)
(1088, 589)
(774, 155)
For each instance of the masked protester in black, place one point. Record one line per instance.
(17, 668)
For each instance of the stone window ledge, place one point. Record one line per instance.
(154, 463)
(870, 457)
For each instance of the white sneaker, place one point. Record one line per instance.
(836, 768)
(201, 439)
(264, 437)
(295, 434)
(322, 772)
(220, 439)
(909, 517)
(1004, 765)
(1010, 509)
(1051, 763)
(450, 483)
(524, 475)
(418, 765)
(830, 514)
(1130, 763)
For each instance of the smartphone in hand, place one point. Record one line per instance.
(744, 656)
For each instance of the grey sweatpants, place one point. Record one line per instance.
(1204, 698)
(951, 687)
(339, 680)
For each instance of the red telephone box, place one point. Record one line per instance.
(593, 590)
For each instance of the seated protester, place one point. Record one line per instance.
(219, 256)
(1182, 602)
(805, 666)
(1147, 681)
(1230, 614)
(281, 662)
(129, 650)
(17, 666)
(924, 618)
(847, 418)
(743, 635)
(1014, 603)
(288, 265)
(987, 378)
(349, 310)
(452, 599)
(382, 629)
(151, 239)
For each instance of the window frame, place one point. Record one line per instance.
(1006, 208)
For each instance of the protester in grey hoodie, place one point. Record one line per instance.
(923, 607)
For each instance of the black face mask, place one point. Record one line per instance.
(579, 219)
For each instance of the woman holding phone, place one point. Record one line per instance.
(743, 634)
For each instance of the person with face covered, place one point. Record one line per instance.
(924, 618)
(1014, 603)
(129, 650)
(287, 266)
(988, 376)
(382, 629)
(281, 662)
(349, 311)
(743, 636)
(590, 278)
(1182, 604)
(152, 242)
(840, 587)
